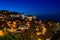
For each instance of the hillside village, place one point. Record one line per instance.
(26, 27)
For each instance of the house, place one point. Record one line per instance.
(29, 17)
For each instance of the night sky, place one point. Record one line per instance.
(33, 7)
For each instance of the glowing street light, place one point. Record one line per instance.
(1, 33)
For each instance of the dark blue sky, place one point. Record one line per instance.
(34, 7)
